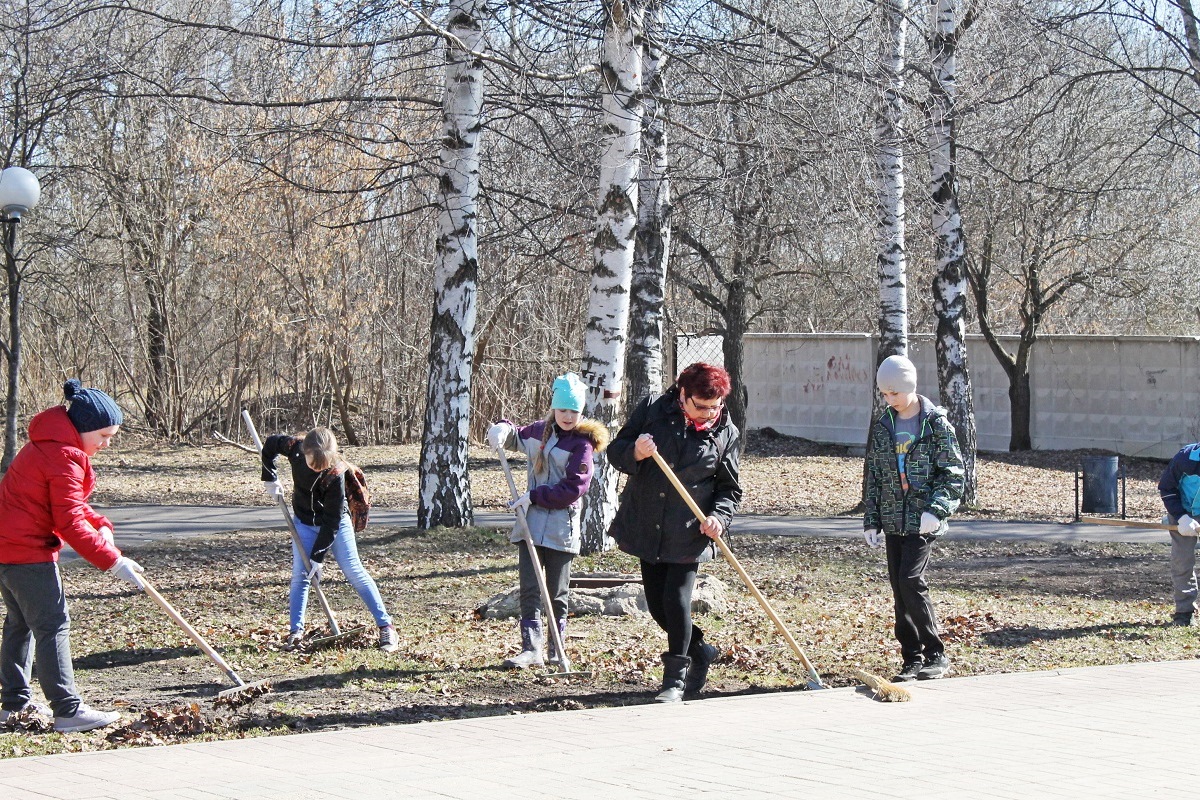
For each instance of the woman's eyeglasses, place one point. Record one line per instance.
(706, 409)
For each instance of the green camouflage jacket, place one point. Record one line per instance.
(935, 474)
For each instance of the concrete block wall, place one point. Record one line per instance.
(1135, 395)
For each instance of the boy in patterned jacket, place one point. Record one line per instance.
(914, 482)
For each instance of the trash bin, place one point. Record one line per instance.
(1100, 475)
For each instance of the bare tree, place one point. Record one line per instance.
(644, 357)
(888, 138)
(445, 483)
(950, 281)
(616, 233)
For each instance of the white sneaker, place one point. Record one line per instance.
(388, 641)
(85, 718)
(36, 708)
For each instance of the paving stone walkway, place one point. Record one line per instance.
(1097, 732)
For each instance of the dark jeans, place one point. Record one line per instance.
(556, 566)
(36, 609)
(669, 598)
(916, 621)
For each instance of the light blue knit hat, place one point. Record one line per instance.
(569, 392)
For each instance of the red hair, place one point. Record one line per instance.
(704, 381)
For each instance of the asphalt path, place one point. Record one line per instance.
(136, 525)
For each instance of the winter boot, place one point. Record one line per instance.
(674, 670)
(703, 655)
(562, 637)
(532, 639)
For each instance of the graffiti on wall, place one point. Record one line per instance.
(838, 369)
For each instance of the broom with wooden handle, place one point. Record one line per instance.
(814, 680)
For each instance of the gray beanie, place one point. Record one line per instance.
(897, 374)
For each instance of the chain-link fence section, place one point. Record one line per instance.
(693, 347)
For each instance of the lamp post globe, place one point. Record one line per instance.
(19, 192)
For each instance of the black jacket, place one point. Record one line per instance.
(318, 498)
(653, 522)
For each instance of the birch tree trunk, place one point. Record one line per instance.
(889, 197)
(1192, 36)
(950, 280)
(613, 247)
(644, 357)
(445, 492)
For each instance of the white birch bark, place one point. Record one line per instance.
(889, 203)
(445, 490)
(613, 247)
(644, 357)
(950, 279)
(1192, 36)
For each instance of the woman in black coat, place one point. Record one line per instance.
(689, 427)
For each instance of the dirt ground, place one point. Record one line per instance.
(1004, 606)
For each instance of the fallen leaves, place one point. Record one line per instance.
(160, 726)
(964, 627)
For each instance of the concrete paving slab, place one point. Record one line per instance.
(1100, 732)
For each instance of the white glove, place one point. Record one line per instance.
(522, 503)
(874, 537)
(1188, 526)
(929, 523)
(107, 533)
(274, 490)
(498, 434)
(315, 568)
(127, 570)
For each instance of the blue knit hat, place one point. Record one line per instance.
(569, 392)
(90, 409)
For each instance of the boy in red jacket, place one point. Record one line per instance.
(43, 503)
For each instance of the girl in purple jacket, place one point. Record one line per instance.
(559, 449)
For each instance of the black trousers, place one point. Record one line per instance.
(669, 598)
(916, 621)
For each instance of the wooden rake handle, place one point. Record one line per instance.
(737, 566)
(291, 523)
(149, 589)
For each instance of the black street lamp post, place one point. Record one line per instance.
(19, 192)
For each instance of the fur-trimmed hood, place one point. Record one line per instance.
(595, 431)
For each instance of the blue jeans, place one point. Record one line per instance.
(345, 552)
(36, 609)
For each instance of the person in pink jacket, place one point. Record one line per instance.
(43, 503)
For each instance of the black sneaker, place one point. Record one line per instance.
(1183, 619)
(935, 667)
(909, 671)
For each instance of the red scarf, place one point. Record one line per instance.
(701, 426)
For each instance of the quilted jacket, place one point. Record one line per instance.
(43, 498)
(935, 473)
